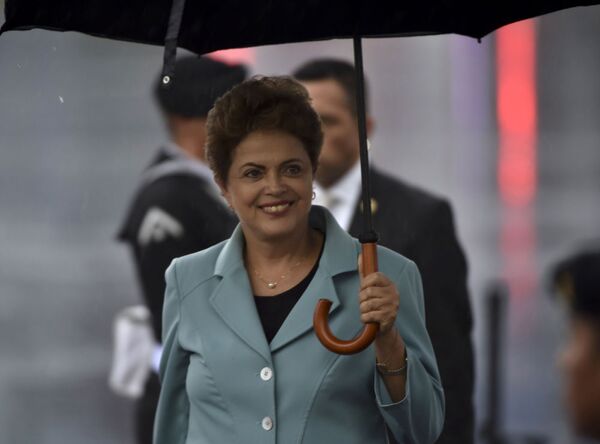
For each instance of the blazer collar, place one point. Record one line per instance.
(234, 302)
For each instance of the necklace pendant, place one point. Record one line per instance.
(271, 285)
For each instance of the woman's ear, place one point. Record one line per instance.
(223, 188)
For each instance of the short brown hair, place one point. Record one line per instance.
(260, 103)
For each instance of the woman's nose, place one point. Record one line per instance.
(274, 183)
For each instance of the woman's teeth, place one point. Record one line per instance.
(276, 208)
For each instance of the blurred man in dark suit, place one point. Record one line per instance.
(177, 209)
(577, 280)
(409, 221)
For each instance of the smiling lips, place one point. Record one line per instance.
(276, 207)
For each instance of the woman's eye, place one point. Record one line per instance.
(293, 170)
(252, 174)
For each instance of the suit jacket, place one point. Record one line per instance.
(420, 226)
(174, 212)
(223, 383)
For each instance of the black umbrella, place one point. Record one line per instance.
(211, 25)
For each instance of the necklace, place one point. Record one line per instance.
(273, 284)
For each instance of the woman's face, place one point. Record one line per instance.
(269, 185)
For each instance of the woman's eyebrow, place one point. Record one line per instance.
(252, 164)
(290, 161)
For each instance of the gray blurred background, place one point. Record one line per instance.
(77, 126)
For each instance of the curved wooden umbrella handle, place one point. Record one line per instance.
(320, 318)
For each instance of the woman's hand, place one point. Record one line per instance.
(379, 300)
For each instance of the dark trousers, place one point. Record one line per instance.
(146, 409)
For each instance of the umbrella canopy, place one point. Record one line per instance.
(221, 24)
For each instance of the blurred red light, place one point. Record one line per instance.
(517, 113)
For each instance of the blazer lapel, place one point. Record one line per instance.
(233, 298)
(339, 256)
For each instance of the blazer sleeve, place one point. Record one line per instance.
(171, 423)
(419, 417)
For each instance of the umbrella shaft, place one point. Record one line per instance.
(368, 234)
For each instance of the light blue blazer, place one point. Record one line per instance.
(223, 383)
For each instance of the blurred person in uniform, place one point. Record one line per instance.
(177, 208)
(409, 221)
(577, 281)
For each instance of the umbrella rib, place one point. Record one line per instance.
(171, 37)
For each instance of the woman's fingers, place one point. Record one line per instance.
(376, 279)
(382, 317)
(374, 303)
(384, 291)
(378, 304)
(372, 298)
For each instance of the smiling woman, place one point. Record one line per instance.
(241, 359)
